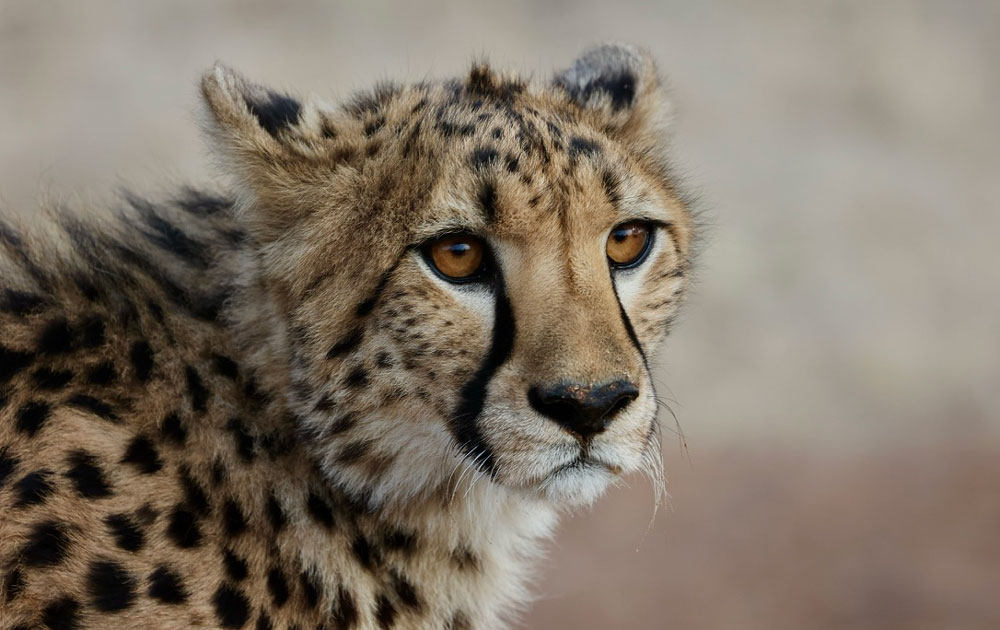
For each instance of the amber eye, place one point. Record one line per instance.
(457, 257)
(628, 244)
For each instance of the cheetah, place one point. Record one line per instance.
(354, 386)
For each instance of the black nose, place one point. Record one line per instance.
(583, 410)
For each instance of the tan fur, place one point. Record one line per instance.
(271, 376)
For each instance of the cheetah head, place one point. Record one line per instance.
(470, 276)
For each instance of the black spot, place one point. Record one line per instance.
(46, 546)
(345, 345)
(385, 612)
(219, 472)
(110, 586)
(512, 164)
(612, 187)
(405, 591)
(102, 373)
(172, 429)
(20, 303)
(142, 454)
(233, 519)
(465, 559)
(32, 415)
(62, 614)
(277, 586)
(146, 514)
(236, 567)
(200, 203)
(483, 157)
(488, 200)
(169, 237)
(582, 146)
(363, 551)
(244, 441)
(263, 622)
(366, 307)
(92, 333)
(33, 488)
(125, 531)
(225, 366)
(94, 406)
(275, 112)
(465, 419)
(141, 356)
(47, 378)
(372, 127)
(56, 338)
(358, 377)
(345, 615)
(194, 495)
(199, 395)
(12, 362)
(275, 514)
(353, 451)
(401, 541)
(13, 584)
(320, 510)
(166, 586)
(183, 528)
(231, 606)
(87, 477)
(8, 462)
(311, 588)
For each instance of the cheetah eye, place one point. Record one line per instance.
(628, 244)
(457, 257)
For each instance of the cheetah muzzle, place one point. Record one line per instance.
(355, 388)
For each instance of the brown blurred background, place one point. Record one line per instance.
(837, 372)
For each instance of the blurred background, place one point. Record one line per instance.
(837, 371)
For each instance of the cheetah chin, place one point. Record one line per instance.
(353, 385)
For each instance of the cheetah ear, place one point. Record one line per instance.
(255, 132)
(620, 83)
(247, 116)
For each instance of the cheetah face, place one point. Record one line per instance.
(472, 276)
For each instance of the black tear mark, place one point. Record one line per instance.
(465, 419)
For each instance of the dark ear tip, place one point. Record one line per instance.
(227, 90)
(612, 69)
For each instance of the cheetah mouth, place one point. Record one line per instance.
(584, 462)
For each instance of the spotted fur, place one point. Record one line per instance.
(262, 408)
